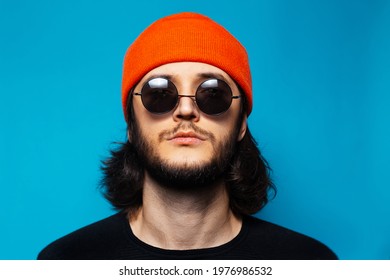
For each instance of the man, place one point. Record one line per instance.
(190, 175)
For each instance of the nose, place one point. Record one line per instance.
(186, 108)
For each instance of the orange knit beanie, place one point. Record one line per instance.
(187, 37)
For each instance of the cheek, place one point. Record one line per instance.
(149, 133)
(139, 109)
(151, 129)
(222, 127)
(149, 124)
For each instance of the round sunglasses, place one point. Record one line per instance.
(160, 96)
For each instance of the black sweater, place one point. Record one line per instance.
(113, 239)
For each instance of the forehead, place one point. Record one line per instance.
(188, 70)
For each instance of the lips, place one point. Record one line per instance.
(186, 138)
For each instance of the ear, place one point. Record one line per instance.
(243, 128)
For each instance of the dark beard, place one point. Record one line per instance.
(188, 177)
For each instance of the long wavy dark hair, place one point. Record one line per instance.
(247, 179)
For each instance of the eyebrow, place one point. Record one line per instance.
(165, 76)
(212, 75)
(200, 75)
(203, 75)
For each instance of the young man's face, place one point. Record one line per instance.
(186, 140)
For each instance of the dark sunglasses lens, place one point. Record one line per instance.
(214, 97)
(159, 95)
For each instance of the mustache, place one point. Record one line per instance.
(186, 126)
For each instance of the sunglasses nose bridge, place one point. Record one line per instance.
(186, 95)
(185, 107)
(191, 96)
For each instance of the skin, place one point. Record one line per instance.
(171, 218)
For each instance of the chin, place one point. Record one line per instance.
(190, 162)
(186, 156)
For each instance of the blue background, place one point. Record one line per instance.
(321, 79)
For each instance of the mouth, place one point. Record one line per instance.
(186, 138)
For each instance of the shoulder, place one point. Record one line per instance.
(89, 242)
(276, 242)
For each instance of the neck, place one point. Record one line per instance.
(182, 220)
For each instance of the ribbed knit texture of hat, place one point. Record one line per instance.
(186, 37)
